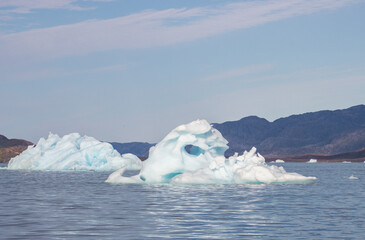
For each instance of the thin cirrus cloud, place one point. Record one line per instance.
(238, 72)
(27, 6)
(152, 28)
(40, 74)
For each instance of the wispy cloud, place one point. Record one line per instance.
(148, 28)
(238, 72)
(307, 75)
(51, 73)
(318, 89)
(112, 68)
(26, 6)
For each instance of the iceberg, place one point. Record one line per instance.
(279, 161)
(312, 161)
(73, 152)
(352, 177)
(194, 154)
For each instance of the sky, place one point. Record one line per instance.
(126, 70)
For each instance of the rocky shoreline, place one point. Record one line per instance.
(10, 148)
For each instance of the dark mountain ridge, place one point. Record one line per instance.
(139, 149)
(356, 156)
(323, 132)
(5, 142)
(10, 148)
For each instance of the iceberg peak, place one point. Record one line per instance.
(186, 148)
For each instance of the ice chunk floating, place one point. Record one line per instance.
(194, 154)
(352, 177)
(73, 152)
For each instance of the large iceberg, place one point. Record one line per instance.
(194, 154)
(73, 152)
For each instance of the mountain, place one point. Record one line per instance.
(139, 149)
(356, 156)
(10, 148)
(323, 132)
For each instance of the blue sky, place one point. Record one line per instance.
(133, 70)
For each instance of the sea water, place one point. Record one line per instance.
(80, 205)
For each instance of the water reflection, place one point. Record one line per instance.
(79, 205)
(191, 210)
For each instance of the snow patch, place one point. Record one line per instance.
(279, 161)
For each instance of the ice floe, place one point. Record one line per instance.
(312, 161)
(279, 161)
(352, 177)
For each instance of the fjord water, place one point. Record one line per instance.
(79, 205)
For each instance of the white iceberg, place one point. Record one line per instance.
(194, 154)
(312, 161)
(352, 177)
(73, 152)
(279, 161)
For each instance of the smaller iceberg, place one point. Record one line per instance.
(312, 161)
(73, 152)
(279, 161)
(346, 162)
(194, 154)
(352, 177)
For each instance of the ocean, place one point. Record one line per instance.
(79, 205)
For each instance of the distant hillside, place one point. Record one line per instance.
(323, 132)
(10, 148)
(139, 149)
(356, 156)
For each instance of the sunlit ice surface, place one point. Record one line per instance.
(72, 152)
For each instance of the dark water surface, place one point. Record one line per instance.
(79, 205)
